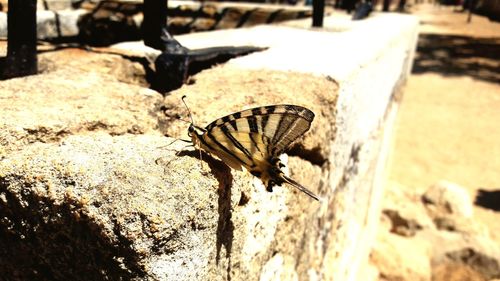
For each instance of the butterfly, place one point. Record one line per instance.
(254, 139)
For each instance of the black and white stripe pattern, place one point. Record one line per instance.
(255, 138)
(282, 124)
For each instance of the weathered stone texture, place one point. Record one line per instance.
(86, 176)
(298, 222)
(80, 97)
(98, 206)
(444, 244)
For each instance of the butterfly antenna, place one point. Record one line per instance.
(189, 122)
(301, 188)
(189, 111)
(192, 122)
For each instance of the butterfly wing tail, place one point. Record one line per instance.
(300, 187)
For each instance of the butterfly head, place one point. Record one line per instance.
(195, 131)
(196, 135)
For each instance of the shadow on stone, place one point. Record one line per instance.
(45, 245)
(488, 199)
(313, 155)
(486, 265)
(458, 56)
(225, 227)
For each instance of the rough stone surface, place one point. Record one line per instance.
(115, 208)
(489, 267)
(456, 272)
(368, 272)
(131, 208)
(118, 220)
(449, 198)
(80, 97)
(401, 258)
(279, 268)
(405, 219)
(450, 246)
(478, 252)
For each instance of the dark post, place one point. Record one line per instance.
(21, 39)
(318, 12)
(471, 6)
(154, 23)
(401, 5)
(385, 5)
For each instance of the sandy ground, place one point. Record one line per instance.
(449, 121)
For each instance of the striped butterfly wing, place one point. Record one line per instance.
(238, 149)
(255, 138)
(278, 125)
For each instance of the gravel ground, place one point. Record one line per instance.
(448, 124)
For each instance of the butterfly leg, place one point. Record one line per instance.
(177, 153)
(269, 186)
(172, 142)
(201, 160)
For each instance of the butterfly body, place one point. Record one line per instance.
(254, 139)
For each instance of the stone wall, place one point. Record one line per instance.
(90, 188)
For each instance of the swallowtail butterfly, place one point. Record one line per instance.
(254, 139)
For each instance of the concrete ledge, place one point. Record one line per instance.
(124, 206)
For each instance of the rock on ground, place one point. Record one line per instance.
(449, 198)
(413, 245)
